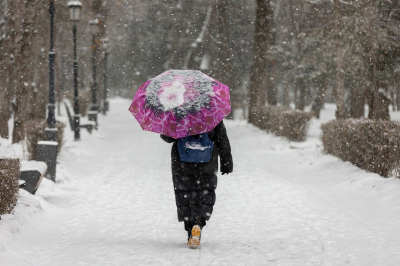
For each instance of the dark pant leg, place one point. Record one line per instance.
(194, 205)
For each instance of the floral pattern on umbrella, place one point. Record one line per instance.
(180, 103)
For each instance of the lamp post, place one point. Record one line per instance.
(74, 12)
(106, 46)
(47, 150)
(94, 108)
(94, 26)
(51, 130)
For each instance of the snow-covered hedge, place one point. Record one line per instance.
(283, 121)
(34, 131)
(9, 176)
(373, 145)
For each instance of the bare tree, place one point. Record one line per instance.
(22, 41)
(262, 39)
(5, 70)
(340, 113)
(378, 98)
(218, 47)
(320, 96)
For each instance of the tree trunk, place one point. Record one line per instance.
(296, 95)
(379, 102)
(258, 73)
(4, 115)
(340, 112)
(286, 94)
(271, 87)
(301, 87)
(398, 98)
(224, 57)
(393, 99)
(24, 65)
(320, 97)
(271, 63)
(100, 10)
(40, 47)
(4, 73)
(174, 53)
(356, 103)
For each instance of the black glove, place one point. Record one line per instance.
(226, 164)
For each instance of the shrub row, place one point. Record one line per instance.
(283, 121)
(373, 145)
(34, 131)
(9, 176)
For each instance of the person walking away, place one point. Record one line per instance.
(195, 182)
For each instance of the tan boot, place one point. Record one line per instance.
(194, 240)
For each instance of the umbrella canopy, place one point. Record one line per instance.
(180, 103)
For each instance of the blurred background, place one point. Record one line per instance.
(297, 53)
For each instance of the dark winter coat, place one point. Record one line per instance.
(195, 183)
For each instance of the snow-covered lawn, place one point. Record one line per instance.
(285, 204)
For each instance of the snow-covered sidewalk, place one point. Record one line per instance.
(285, 204)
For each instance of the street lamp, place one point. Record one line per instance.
(74, 12)
(94, 108)
(94, 27)
(51, 130)
(106, 47)
(47, 150)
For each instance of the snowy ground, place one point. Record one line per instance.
(285, 204)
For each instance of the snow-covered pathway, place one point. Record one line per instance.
(114, 205)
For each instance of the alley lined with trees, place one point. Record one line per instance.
(114, 204)
(314, 89)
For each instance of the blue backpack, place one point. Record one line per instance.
(195, 149)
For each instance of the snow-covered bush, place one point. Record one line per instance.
(9, 176)
(294, 124)
(270, 118)
(283, 121)
(34, 131)
(373, 145)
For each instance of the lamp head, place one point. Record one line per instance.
(74, 10)
(106, 44)
(94, 25)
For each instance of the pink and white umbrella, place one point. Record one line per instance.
(181, 103)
